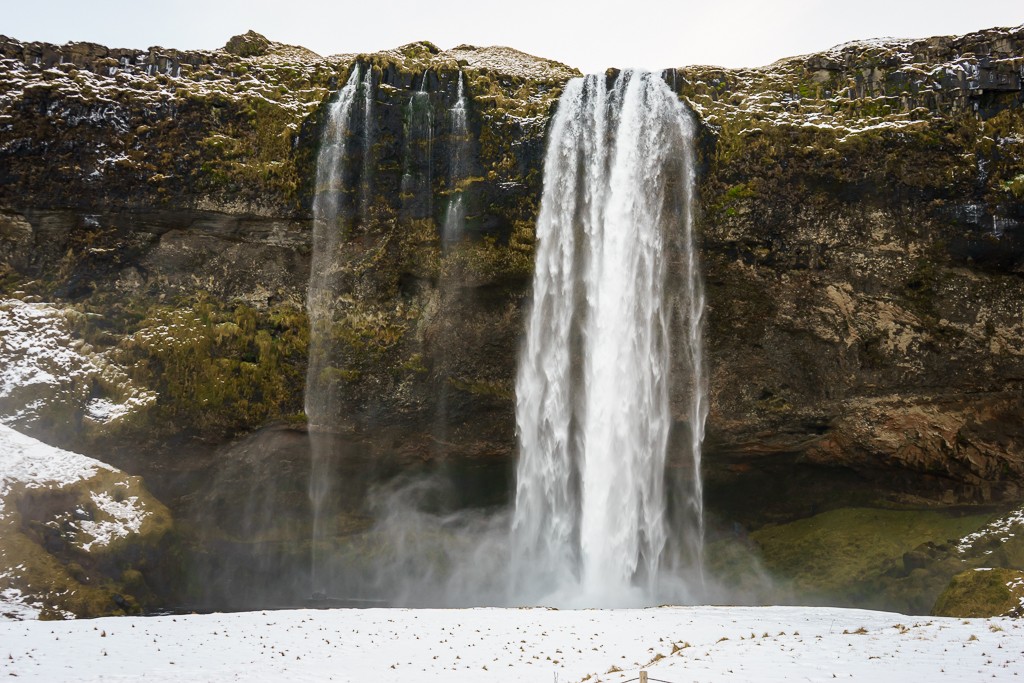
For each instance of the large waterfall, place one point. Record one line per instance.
(612, 348)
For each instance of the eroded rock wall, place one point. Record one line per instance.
(864, 249)
(861, 226)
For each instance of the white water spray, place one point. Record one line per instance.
(601, 355)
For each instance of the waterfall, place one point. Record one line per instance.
(417, 181)
(451, 297)
(367, 183)
(323, 409)
(455, 216)
(613, 334)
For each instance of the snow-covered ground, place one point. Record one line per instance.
(674, 644)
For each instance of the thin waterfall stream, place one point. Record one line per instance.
(417, 177)
(323, 393)
(455, 217)
(449, 285)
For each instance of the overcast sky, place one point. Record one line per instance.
(589, 35)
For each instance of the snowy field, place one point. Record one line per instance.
(674, 644)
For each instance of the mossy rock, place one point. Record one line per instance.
(983, 593)
(78, 538)
(61, 566)
(219, 368)
(832, 553)
(250, 44)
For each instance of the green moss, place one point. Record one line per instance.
(250, 44)
(218, 368)
(833, 552)
(982, 593)
(38, 539)
(487, 260)
(1015, 187)
(414, 364)
(10, 280)
(479, 387)
(732, 196)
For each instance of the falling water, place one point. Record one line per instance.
(616, 291)
(417, 181)
(451, 295)
(455, 217)
(364, 203)
(323, 409)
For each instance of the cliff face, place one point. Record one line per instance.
(862, 243)
(864, 249)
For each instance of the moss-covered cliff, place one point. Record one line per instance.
(864, 251)
(862, 238)
(170, 193)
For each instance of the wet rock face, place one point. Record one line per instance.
(862, 240)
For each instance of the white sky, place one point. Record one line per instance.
(589, 35)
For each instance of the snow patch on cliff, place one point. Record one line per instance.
(33, 464)
(123, 517)
(43, 363)
(14, 606)
(999, 530)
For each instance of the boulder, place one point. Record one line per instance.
(983, 592)
(78, 538)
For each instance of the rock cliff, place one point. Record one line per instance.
(862, 238)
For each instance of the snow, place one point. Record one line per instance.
(1015, 586)
(42, 362)
(33, 464)
(32, 341)
(1003, 528)
(507, 60)
(126, 517)
(29, 463)
(14, 606)
(104, 410)
(675, 644)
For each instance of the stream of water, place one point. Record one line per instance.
(616, 279)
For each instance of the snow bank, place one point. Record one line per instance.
(673, 644)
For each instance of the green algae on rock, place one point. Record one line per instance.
(983, 592)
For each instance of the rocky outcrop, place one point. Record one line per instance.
(862, 241)
(983, 593)
(77, 537)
